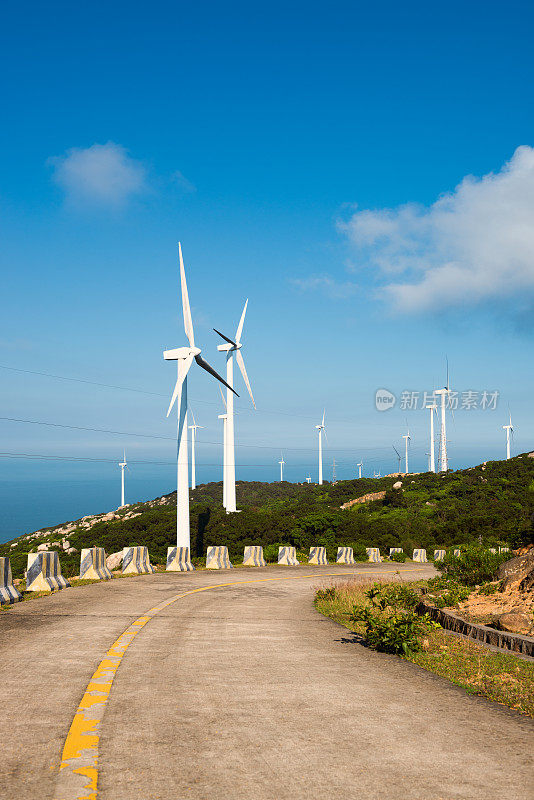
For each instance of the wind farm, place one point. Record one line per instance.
(280, 258)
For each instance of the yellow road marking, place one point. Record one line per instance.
(78, 775)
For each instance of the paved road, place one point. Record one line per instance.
(238, 693)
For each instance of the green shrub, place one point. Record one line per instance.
(396, 633)
(360, 553)
(400, 558)
(326, 594)
(489, 588)
(475, 565)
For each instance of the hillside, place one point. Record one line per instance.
(493, 502)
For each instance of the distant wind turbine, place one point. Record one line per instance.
(224, 418)
(308, 479)
(407, 438)
(360, 465)
(509, 430)
(399, 458)
(432, 463)
(281, 462)
(123, 465)
(230, 347)
(193, 428)
(184, 356)
(321, 428)
(445, 393)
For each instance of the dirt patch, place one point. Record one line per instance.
(489, 609)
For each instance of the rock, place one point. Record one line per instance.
(71, 550)
(65, 544)
(516, 569)
(514, 622)
(43, 546)
(397, 484)
(114, 560)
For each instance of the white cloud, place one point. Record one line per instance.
(102, 174)
(473, 245)
(326, 285)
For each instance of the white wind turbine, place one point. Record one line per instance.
(399, 458)
(509, 430)
(230, 348)
(123, 465)
(193, 428)
(224, 418)
(321, 428)
(407, 438)
(445, 393)
(184, 356)
(360, 465)
(281, 462)
(308, 478)
(432, 463)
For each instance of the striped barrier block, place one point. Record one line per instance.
(93, 564)
(218, 558)
(457, 553)
(8, 593)
(345, 555)
(373, 554)
(288, 556)
(439, 555)
(136, 561)
(493, 550)
(179, 560)
(253, 556)
(395, 550)
(504, 549)
(43, 573)
(318, 556)
(420, 555)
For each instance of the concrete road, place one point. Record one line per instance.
(241, 692)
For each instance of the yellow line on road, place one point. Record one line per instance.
(78, 771)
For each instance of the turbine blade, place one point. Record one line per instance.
(241, 365)
(188, 322)
(193, 417)
(226, 339)
(239, 330)
(223, 399)
(204, 364)
(326, 437)
(322, 423)
(178, 387)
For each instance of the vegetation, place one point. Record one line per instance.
(499, 677)
(492, 505)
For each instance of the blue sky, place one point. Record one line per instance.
(314, 159)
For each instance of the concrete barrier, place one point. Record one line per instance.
(457, 553)
(345, 555)
(288, 556)
(218, 558)
(504, 549)
(8, 593)
(420, 555)
(395, 550)
(253, 556)
(493, 550)
(318, 556)
(439, 555)
(373, 554)
(93, 564)
(179, 560)
(136, 561)
(43, 573)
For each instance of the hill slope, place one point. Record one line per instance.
(493, 502)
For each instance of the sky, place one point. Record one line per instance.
(362, 173)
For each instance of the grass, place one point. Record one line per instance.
(502, 678)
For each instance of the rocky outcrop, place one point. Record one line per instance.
(518, 570)
(514, 622)
(366, 498)
(114, 560)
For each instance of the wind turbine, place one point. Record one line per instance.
(194, 427)
(308, 478)
(230, 348)
(224, 418)
(407, 438)
(444, 392)
(398, 457)
(432, 463)
(321, 428)
(281, 462)
(184, 356)
(360, 465)
(123, 465)
(509, 430)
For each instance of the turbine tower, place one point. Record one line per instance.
(230, 347)
(193, 428)
(184, 356)
(321, 428)
(360, 465)
(509, 430)
(399, 458)
(123, 465)
(432, 463)
(224, 418)
(281, 462)
(407, 438)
